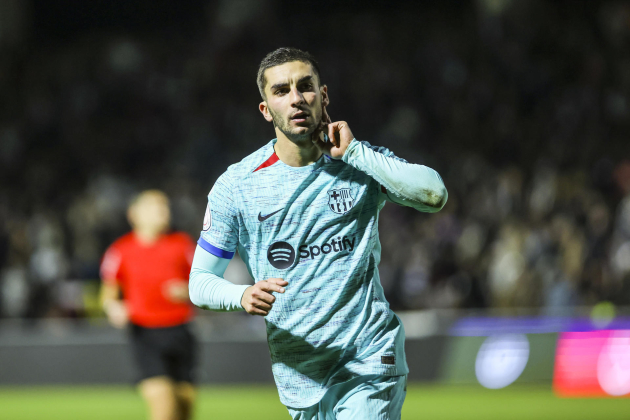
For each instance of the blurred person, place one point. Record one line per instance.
(303, 212)
(145, 287)
(48, 265)
(507, 265)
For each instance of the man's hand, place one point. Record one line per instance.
(339, 136)
(176, 290)
(258, 300)
(116, 312)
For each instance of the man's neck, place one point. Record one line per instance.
(296, 152)
(147, 237)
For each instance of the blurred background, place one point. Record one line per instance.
(522, 106)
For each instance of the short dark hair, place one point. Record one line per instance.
(281, 56)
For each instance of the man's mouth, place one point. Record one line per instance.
(300, 117)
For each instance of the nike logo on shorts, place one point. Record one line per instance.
(262, 218)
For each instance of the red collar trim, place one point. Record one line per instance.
(272, 159)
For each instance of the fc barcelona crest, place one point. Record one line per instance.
(340, 201)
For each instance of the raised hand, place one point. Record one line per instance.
(339, 136)
(258, 300)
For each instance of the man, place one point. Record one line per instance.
(303, 213)
(150, 267)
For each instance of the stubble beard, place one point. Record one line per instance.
(284, 126)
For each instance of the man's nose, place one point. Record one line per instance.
(296, 97)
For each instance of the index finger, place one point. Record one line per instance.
(279, 281)
(325, 118)
(274, 285)
(319, 131)
(333, 132)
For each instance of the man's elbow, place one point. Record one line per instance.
(192, 296)
(198, 303)
(435, 199)
(192, 290)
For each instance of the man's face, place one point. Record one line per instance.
(294, 99)
(150, 213)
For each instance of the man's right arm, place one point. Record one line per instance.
(216, 247)
(112, 305)
(209, 290)
(111, 302)
(207, 287)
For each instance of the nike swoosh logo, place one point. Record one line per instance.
(262, 218)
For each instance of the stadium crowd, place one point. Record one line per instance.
(522, 107)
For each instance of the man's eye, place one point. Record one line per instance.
(281, 92)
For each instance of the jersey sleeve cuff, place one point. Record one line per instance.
(350, 151)
(217, 252)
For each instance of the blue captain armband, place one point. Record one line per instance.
(217, 252)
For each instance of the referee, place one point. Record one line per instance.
(145, 286)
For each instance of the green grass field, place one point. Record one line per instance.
(261, 403)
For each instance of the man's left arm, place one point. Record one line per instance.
(407, 184)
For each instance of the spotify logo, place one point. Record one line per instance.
(281, 255)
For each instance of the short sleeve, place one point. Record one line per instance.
(110, 266)
(219, 236)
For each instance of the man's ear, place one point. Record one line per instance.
(325, 98)
(265, 111)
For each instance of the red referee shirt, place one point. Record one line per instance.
(143, 271)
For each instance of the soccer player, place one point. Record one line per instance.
(150, 266)
(303, 213)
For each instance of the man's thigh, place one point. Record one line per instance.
(309, 413)
(378, 398)
(169, 352)
(372, 397)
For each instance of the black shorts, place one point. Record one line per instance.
(170, 351)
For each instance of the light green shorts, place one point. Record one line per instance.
(370, 397)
